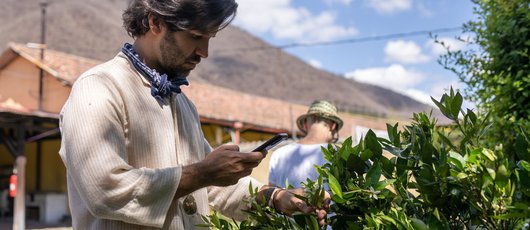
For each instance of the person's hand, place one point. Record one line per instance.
(287, 203)
(225, 165)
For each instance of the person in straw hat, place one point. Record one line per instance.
(294, 163)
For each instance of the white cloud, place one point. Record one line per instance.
(405, 81)
(315, 63)
(344, 2)
(420, 96)
(390, 6)
(405, 52)
(436, 91)
(284, 21)
(395, 77)
(440, 88)
(424, 11)
(439, 49)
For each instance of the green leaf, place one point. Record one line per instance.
(366, 154)
(461, 176)
(474, 156)
(427, 152)
(387, 167)
(346, 149)
(417, 224)
(488, 154)
(357, 164)
(373, 144)
(438, 221)
(456, 104)
(382, 184)
(373, 175)
(501, 179)
(511, 216)
(335, 186)
(393, 134)
(447, 141)
(457, 160)
(328, 155)
(401, 166)
(524, 165)
(487, 179)
(522, 148)
(445, 111)
(322, 171)
(338, 199)
(472, 116)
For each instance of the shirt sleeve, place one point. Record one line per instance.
(94, 152)
(231, 200)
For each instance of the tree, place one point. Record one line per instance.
(496, 66)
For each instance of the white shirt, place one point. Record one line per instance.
(124, 152)
(295, 163)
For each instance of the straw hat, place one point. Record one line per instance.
(321, 109)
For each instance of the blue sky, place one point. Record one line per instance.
(406, 64)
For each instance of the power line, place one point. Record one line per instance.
(346, 41)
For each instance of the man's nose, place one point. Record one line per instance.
(202, 49)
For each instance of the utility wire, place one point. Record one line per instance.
(345, 41)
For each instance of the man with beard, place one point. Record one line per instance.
(132, 143)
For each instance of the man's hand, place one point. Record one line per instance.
(224, 166)
(287, 203)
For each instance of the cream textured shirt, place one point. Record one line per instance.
(124, 153)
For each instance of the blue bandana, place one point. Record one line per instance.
(161, 87)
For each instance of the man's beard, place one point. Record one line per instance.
(171, 54)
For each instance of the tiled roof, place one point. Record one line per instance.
(224, 104)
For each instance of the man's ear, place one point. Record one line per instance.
(156, 26)
(333, 126)
(305, 124)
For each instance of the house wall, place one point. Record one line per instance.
(20, 81)
(53, 172)
(55, 94)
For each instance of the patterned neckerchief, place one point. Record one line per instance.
(161, 87)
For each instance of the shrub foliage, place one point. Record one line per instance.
(423, 176)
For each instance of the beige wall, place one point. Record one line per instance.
(53, 172)
(55, 94)
(20, 82)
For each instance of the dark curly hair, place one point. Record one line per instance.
(203, 15)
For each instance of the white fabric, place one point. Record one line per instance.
(124, 153)
(294, 163)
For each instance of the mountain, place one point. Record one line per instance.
(238, 60)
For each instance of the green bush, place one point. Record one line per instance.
(435, 178)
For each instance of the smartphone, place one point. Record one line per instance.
(271, 142)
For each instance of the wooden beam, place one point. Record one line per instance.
(43, 135)
(9, 143)
(246, 126)
(19, 222)
(19, 217)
